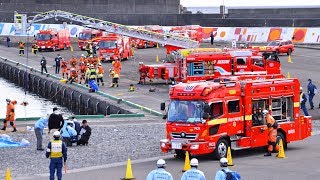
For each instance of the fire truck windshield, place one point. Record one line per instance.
(274, 43)
(85, 36)
(43, 37)
(107, 44)
(185, 111)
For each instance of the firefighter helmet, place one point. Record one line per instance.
(91, 66)
(224, 162)
(301, 88)
(161, 163)
(72, 69)
(56, 134)
(265, 112)
(194, 162)
(88, 64)
(99, 64)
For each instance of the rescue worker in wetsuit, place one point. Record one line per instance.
(57, 152)
(272, 127)
(21, 48)
(10, 115)
(100, 72)
(64, 67)
(160, 173)
(73, 76)
(193, 173)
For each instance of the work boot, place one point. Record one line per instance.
(3, 129)
(102, 84)
(268, 154)
(14, 130)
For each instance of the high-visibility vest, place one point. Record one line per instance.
(116, 75)
(93, 73)
(56, 149)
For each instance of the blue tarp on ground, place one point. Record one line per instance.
(5, 141)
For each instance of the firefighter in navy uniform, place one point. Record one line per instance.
(57, 152)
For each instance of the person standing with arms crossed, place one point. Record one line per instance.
(57, 152)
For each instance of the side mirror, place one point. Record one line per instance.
(163, 106)
(164, 117)
(76, 35)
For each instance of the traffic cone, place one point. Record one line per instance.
(129, 175)
(281, 150)
(186, 166)
(289, 59)
(229, 157)
(8, 176)
(71, 48)
(288, 76)
(157, 58)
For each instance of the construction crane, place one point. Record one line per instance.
(165, 39)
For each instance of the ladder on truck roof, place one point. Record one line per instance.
(165, 39)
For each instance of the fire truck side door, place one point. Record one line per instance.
(235, 116)
(259, 135)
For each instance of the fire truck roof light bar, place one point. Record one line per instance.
(165, 39)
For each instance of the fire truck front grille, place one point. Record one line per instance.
(183, 135)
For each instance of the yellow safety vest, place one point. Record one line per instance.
(56, 149)
(116, 75)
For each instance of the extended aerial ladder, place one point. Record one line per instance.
(165, 39)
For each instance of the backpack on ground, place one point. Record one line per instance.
(231, 175)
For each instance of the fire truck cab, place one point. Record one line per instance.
(88, 35)
(113, 46)
(208, 117)
(209, 63)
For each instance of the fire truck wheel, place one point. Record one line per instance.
(280, 135)
(221, 149)
(180, 154)
(289, 51)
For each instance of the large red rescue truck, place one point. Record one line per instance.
(113, 46)
(88, 36)
(53, 39)
(209, 63)
(193, 32)
(140, 43)
(208, 117)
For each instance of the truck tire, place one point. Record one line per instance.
(221, 149)
(280, 135)
(180, 154)
(289, 51)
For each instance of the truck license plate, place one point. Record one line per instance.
(176, 145)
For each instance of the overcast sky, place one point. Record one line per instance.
(200, 3)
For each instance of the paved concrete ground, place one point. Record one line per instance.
(302, 163)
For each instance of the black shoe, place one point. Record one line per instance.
(311, 108)
(268, 154)
(14, 130)
(40, 149)
(3, 129)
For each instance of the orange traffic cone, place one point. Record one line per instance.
(129, 175)
(186, 166)
(8, 176)
(281, 150)
(288, 76)
(229, 157)
(289, 59)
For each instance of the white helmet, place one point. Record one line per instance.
(301, 88)
(161, 163)
(194, 162)
(223, 162)
(56, 134)
(82, 55)
(265, 112)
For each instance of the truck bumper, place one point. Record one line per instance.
(196, 148)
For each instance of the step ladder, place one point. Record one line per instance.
(165, 39)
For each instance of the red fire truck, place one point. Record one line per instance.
(113, 47)
(140, 43)
(88, 35)
(193, 32)
(208, 117)
(53, 39)
(209, 63)
(278, 46)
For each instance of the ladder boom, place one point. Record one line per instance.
(165, 39)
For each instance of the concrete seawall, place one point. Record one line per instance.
(78, 101)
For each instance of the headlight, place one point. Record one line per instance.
(196, 146)
(163, 145)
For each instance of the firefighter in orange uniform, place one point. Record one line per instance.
(64, 67)
(82, 58)
(143, 71)
(117, 66)
(73, 76)
(272, 127)
(10, 115)
(82, 70)
(21, 48)
(100, 73)
(73, 62)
